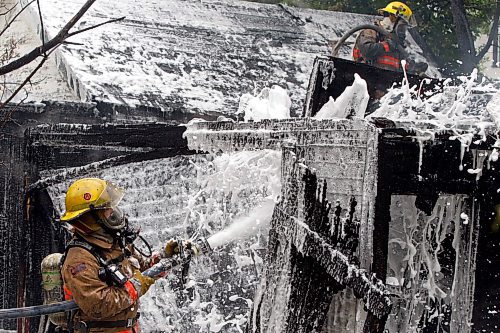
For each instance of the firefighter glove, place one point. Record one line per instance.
(195, 249)
(171, 248)
(141, 282)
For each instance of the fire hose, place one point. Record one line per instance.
(378, 29)
(182, 259)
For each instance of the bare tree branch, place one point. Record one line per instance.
(94, 26)
(2, 104)
(4, 90)
(9, 113)
(54, 42)
(8, 10)
(15, 17)
(44, 51)
(9, 49)
(42, 30)
(492, 35)
(66, 42)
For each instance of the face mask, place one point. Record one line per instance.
(114, 221)
(387, 24)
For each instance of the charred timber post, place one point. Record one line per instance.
(316, 266)
(314, 243)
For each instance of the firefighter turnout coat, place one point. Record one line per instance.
(371, 48)
(103, 308)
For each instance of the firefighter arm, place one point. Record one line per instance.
(93, 296)
(369, 47)
(144, 263)
(372, 50)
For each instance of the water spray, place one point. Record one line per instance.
(242, 227)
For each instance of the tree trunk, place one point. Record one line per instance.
(464, 35)
(492, 38)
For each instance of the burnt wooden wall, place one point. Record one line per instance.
(311, 257)
(439, 159)
(398, 156)
(12, 228)
(27, 150)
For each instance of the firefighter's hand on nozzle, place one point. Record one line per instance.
(141, 283)
(195, 248)
(172, 247)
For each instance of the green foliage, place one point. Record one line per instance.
(437, 28)
(435, 21)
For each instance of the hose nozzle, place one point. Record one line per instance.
(184, 256)
(203, 245)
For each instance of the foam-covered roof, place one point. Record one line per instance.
(193, 56)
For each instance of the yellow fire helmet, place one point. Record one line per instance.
(90, 193)
(400, 9)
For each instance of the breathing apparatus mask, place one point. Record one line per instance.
(116, 223)
(386, 23)
(397, 28)
(112, 218)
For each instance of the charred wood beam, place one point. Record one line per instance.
(311, 239)
(337, 265)
(330, 76)
(381, 232)
(305, 258)
(86, 148)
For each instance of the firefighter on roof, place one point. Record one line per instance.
(388, 51)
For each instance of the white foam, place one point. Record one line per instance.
(270, 103)
(352, 102)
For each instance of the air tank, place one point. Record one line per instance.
(52, 286)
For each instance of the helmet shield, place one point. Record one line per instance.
(110, 197)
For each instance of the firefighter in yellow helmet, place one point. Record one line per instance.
(387, 52)
(101, 270)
